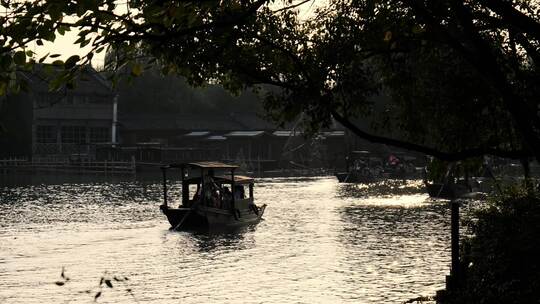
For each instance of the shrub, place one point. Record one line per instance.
(500, 262)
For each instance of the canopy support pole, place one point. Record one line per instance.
(164, 171)
(233, 191)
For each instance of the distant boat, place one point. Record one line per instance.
(446, 191)
(356, 177)
(209, 200)
(440, 190)
(448, 186)
(361, 167)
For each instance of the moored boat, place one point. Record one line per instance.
(440, 190)
(361, 167)
(210, 200)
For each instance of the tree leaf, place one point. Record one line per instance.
(98, 294)
(19, 57)
(43, 58)
(5, 62)
(85, 42)
(137, 69)
(388, 36)
(3, 86)
(108, 283)
(72, 61)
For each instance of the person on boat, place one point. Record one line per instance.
(210, 188)
(197, 194)
(239, 192)
(216, 199)
(227, 198)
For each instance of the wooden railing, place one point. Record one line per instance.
(106, 167)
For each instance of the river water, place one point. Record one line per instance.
(320, 242)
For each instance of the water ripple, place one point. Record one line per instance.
(320, 242)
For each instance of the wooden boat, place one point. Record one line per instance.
(440, 190)
(447, 186)
(361, 167)
(207, 200)
(356, 177)
(446, 191)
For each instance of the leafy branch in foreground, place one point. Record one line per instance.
(107, 281)
(448, 78)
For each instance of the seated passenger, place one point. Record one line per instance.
(227, 198)
(239, 192)
(216, 199)
(197, 194)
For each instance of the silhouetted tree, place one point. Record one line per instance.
(460, 77)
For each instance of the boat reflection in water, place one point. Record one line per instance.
(210, 201)
(228, 238)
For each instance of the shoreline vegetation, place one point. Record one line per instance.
(499, 260)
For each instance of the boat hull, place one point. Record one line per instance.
(437, 190)
(445, 191)
(208, 217)
(346, 177)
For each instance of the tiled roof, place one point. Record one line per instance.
(89, 82)
(197, 133)
(193, 123)
(244, 133)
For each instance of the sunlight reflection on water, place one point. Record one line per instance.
(320, 242)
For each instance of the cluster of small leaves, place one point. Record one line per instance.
(63, 278)
(106, 282)
(28, 23)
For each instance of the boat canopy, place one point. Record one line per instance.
(360, 152)
(204, 165)
(238, 179)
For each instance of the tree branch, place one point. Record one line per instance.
(524, 116)
(514, 17)
(446, 156)
(484, 61)
(291, 6)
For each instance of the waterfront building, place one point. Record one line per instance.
(38, 123)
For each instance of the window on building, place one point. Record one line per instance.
(68, 99)
(73, 135)
(100, 135)
(49, 99)
(99, 99)
(45, 134)
(80, 99)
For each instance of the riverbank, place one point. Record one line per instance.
(498, 260)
